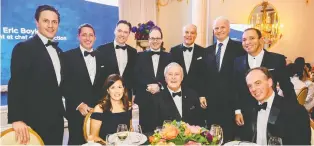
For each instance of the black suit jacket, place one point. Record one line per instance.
(108, 55)
(34, 95)
(287, 120)
(277, 66)
(167, 110)
(144, 74)
(194, 77)
(218, 83)
(77, 85)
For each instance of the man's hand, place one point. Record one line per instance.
(153, 88)
(203, 102)
(21, 132)
(239, 119)
(84, 109)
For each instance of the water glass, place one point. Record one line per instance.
(122, 132)
(274, 141)
(216, 131)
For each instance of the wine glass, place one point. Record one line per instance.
(216, 131)
(275, 141)
(122, 132)
(136, 136)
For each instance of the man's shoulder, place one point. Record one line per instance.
(72, 51)
(104, 47)
(275, 55)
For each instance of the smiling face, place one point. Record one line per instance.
(221, 29)
(87, 37)
(122, 33)
(174, 77)
(116, 91)
(155, 39)
(259, 85)
(251, 43)
(189, 34)
(47, 24)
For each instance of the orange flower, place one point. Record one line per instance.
(170, 132)
(153, 139)
(187, 131)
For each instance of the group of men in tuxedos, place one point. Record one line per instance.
(193, 84)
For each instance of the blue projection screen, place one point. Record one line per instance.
(18, 24)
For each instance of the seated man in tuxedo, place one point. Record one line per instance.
(273, 116)
(176, 102)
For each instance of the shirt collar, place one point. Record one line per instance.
(224, 42)
(43, 38)
(171, 91)
(83, 49)
(269, 100)
(154, 50)
(259, 56)
(188, 46)
(115, 43)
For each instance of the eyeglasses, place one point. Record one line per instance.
(155, 39)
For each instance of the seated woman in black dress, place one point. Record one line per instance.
(112, 110)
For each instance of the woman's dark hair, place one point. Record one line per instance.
(105, 102)
(298, 69)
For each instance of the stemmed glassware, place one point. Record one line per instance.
(122, 132)
(216, 131)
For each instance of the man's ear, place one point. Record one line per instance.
(270, 82)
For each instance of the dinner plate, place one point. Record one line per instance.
(133, 138)
(239, 143)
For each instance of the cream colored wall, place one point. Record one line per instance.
(171, 19)
(296, 16)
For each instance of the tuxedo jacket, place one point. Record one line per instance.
(166, 109)
(287, 120)
(77, 85)
(219, 83)
(108, 55)
(34, 95)
(144, 74)
(193, 78)
(276, 64)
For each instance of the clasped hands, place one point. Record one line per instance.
(153, 88)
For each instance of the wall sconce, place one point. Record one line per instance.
(161, 3)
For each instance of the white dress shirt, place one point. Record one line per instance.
(223, 49)
(122, 57)
(262, 120)
(253, 62)
(256, 61)
(54, 57)
(177, 100)
(155, 59)
(187, 56)
(90, 62)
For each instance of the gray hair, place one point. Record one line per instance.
(185, 26)
(172, 64)
(221, 18)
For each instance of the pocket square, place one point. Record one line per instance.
(271, 69)
(199, 58)
(193, 107)
(102, 66)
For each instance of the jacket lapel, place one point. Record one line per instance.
(150, 64)
(181, 59)
(273, 116)
(98, 66)
(82, 64)
(171, 105)
(265, 60)
(113, 59)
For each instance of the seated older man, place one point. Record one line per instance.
(273, 116)
(176, 102)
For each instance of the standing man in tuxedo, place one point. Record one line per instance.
(176, 102)
(218, 77)
(149, 73)
(256, 56)
(83, 81)
(34, 98)
(272, 116)
(119, 55)
(190, 56)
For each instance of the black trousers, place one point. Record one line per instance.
(75, 125)
(51, 134)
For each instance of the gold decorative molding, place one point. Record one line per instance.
(162, 3)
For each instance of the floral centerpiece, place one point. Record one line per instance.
(142, 30)
(181, 133)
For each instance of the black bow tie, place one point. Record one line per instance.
(120, 47)
(177, 93)
(53, 44)
(155, 53)
(89, 53)
(188, 48)
(261, 106)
